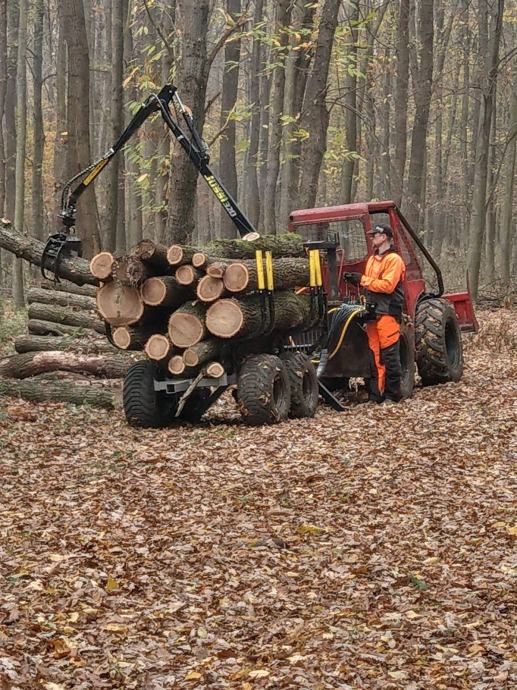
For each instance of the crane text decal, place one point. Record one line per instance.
(218, 191)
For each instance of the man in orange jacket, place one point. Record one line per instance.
(382, 280)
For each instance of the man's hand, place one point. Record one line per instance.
(354, 278)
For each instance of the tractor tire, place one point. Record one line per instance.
(439, 351)
(303, 382)
(407, 362)
(143, 406)
(263, 390)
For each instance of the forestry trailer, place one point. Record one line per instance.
(283, 364)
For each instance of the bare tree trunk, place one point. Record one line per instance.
(38, 137)
(10, 109)
(297, 72)
(21, 143)
(315, 117)
(227, 164)
(506, 229)
(252, 198)
(61, 140)
(422, 79)
(3, 89)
(400, 100)
(282, 21)
(347, 175)
(79, 156)
(191, 80)
(477, 219)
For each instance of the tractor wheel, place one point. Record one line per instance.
(143, 406)
(303, 382)
(263, 391)
(439, 351)
(407, 362)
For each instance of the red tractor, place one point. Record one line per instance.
(432, 322)
(275, 376)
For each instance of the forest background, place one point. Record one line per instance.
(301, 104)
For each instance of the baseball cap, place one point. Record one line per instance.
(381, 229)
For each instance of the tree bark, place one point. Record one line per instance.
(422, 79)
(506, 224)
(39, 137)
(67, 286)
(23, 366)
(39, 327)
(227, 164)
(62, 299)
(282, 21)
(3, 90)
(39, 391)
(192, 75)
(78, 149)
(315, 116)
(61, 315)
(289, 244)
(252, 198)
(45, 343)
(202, 352)
(21, 144)
(230, 318)
(400, 100)
(31, 249)
(477, 219)
(288, 273)
(349, 163)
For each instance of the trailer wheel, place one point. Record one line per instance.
(407, 361)
(439, 350)
(143, 406)
(263, 391)
(303, 382)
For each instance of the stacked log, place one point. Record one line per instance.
(181, 304)
(66, 340)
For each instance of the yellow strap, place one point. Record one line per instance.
(319, 281)
(260, 270)
(312, 269)
(269, 271)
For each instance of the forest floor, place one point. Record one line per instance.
(369, 549)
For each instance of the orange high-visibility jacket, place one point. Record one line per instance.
(382, 279)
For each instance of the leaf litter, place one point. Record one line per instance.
(369, 549)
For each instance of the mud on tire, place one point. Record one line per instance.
(263, 390)
(143, 406)
(303, 382)
(439, 351)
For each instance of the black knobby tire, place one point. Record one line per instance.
(439, 351)
(303, 381)
(407, 361)
(143, 406)
(263, 390)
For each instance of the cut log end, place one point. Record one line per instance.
(186, 275)
(100, 265)
(121, 337)
(224, 318)
(251, 236)
(119, 304)
(145, 249)
(157, 347)
(236, 278)
(185, 329)
(209, 289)
(214, 370)
(175, 254)
(154, 291)
(199, 259)
(176, 365)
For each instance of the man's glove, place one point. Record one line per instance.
(354, 278)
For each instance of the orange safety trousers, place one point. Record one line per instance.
(382, 333)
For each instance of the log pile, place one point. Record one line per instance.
(181, 304)
(66, 342)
